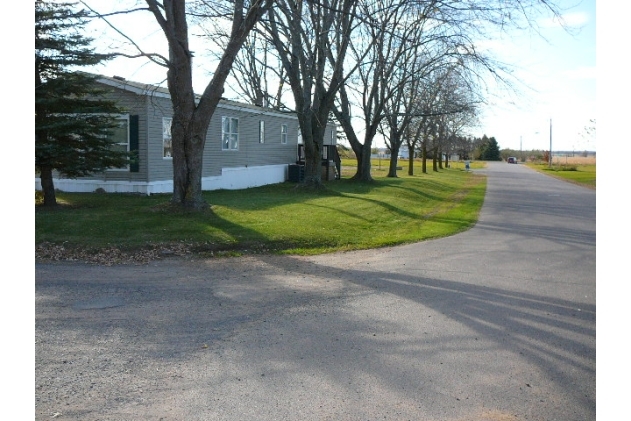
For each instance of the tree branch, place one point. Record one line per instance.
(163, 61)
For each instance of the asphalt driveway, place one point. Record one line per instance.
(497, 323)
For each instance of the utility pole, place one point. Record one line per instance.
(550, 165)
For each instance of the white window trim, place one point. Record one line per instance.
(230, 148)
(126, 118)
(261, 131)
(284, 134)
(168, 158)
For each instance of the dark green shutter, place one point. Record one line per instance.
(133, 143)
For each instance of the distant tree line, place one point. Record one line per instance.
(453, 146)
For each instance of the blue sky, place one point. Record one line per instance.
(555, 73)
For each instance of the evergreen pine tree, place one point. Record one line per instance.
(488, 149)
(482, 144)
(74, 124)
(492, 150)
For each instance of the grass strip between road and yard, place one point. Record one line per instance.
(582, 174)
(271, 219)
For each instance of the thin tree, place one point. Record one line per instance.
(74, 124)
(406, 105)
(312, 39)
(258, 74)
(436, 45)
(383, 43)
(456, 104)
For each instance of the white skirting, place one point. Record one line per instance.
(230, 179)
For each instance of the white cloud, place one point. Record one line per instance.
(575, 19)
(571, 20)
(584, 72)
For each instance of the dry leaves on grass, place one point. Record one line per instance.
(110, 255)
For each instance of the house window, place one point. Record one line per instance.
(283, 133)
(261, 131)
(167, 144)
(119, 138)
(229, 133)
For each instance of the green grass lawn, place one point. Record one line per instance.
(272, 219)
(582, 174)
(381, 166)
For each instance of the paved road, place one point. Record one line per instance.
(496, 324)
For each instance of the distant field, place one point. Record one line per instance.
(578, 160)
(576, 169)
(574, 160)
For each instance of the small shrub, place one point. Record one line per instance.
(546, 156)
(567, 168)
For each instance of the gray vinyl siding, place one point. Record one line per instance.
(160, 168)
(131, 104)
(250, 152)
(154, 167)
(150, 109)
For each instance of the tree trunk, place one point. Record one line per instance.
(188, 137)
(191, 120)
(313, 172)
(313, 162)
(313, 82)
(424, 157)
(187, 169)
(364, 164)
(435, 159)
(395, 144)
(362, 151)
(392, 170)
(48, 189)
(411, 160)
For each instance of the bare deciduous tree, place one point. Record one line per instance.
(406, 48)
(191, 114)
(450, 99)
(382, 46)
(312, 39)
(191, 117)
(257, 74)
